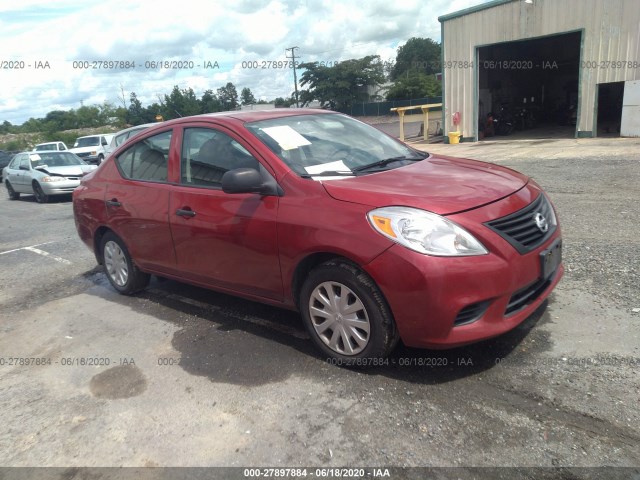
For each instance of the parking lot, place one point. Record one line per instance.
(180, 376)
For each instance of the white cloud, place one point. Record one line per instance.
(193, 31)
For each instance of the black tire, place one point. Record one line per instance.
(119, 267)
(100, 159)
(382, 336)
(41, 197)
(13, 195)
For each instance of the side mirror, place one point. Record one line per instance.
(242, 180)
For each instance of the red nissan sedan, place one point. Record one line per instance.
(371, 240)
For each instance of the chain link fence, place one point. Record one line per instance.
(376, 109)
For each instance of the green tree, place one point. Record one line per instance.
(136, 113)
(284, 102)
(152, 111)
(180, 103)
(246, 97)
(32, 125)
(209, 102)
(339, 86)
(6, 127)
(88, 116)
(417, 55)
(414, 85)
(228, 97)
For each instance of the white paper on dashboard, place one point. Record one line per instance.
(287, 137)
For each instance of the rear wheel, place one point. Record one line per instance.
(122, 273)
(346, 314)
(13, 195)
(41, 197)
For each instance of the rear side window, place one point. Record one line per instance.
(147, 159)
(15, 163)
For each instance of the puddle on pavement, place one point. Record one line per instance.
(124, 381)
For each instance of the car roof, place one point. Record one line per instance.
(135, 127)
(251, 115)
(31, 152)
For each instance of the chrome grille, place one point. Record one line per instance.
(520, 228)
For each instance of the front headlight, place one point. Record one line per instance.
(425, 232)
(53, 179)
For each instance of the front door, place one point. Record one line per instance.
(220, 239)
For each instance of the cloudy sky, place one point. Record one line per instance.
(45, 44)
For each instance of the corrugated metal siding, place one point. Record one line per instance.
(611, 33)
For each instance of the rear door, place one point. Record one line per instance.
(137, 203)
(224, 240)
(14, 173)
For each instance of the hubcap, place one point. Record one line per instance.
(339, 318)
(116, 263)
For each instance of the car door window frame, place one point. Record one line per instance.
(25, 159)
(186, 171)
(15, 162)
(144, 145)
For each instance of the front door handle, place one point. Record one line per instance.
(185, 212)
(113, 203)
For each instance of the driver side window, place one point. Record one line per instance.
(208, 154)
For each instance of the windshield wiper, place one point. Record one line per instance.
(386, 161)
(328, 173)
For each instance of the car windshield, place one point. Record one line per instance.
(46, 146)
(87, 142)
(331, 144)
(54, 159)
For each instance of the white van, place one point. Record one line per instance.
(92, 148)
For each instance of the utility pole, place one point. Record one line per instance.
(295, 79)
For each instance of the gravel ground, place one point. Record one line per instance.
(248, 389)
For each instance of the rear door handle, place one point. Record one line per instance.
(185, 212)
(113, 203)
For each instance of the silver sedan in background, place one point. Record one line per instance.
(44, 174)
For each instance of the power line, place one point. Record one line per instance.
(295, 79)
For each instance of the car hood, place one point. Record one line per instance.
(94, 148)
(439, 184)
(68, 171)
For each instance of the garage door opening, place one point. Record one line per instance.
(609, 116)
(529, 88)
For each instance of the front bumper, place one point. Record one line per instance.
(445, 302)
(64, 187)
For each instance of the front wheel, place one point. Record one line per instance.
(122, 273)
(346, 314)
(13, 195)
(41, 197)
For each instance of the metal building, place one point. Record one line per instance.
(527, 63)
